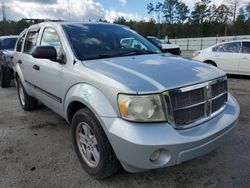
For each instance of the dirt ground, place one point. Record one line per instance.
(36, 151)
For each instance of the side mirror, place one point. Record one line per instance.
(44, 52)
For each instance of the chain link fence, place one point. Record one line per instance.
(193, 44)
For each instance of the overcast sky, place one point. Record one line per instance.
(81, 9)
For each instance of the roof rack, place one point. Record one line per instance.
(42, 20)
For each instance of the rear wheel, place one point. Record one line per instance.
(5, 77)
(27, 102)
(92, 145)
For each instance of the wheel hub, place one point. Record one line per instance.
(87, 144)
(21, 94)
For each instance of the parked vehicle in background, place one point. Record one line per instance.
(127, 102)
(232, 57)
(7, 45)
(165, 46)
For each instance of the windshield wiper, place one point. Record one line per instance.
(99, 56)
(138, 52)
(126, 53)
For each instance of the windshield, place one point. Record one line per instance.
(8, 43)
(155, 40)
(93, 41)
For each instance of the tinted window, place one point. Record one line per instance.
(20, 43)
(7, 43)
(233, 47)
(30, 41)
(246, 47)
(51, 38)
(91, 41)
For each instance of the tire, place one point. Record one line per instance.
(5, 77)
(27, 102)
(107, 164)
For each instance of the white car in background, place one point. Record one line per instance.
(232, 57)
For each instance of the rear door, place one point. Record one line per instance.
(227, 56)
(27, 61)
(245, 59)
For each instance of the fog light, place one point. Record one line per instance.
(155, 155)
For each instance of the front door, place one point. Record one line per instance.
(50, 74)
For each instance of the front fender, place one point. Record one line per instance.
(91, 97)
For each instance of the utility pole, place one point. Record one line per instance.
(4, 18)
(69, 14)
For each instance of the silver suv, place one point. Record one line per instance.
(128, 103)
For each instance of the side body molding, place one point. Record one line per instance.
(91, 97)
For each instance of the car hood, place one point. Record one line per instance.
(154, 73)
(169, 46)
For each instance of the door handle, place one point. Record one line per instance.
(245, 58)
(19, 62)
(36, 67)
(217, 55)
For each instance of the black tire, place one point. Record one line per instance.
(28, 103)
(108, 163)
(5, 77)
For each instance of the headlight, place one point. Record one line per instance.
(144, 108)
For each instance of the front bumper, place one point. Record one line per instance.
(133, 143)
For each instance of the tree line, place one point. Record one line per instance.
(174, 19)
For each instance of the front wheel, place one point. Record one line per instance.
(27, 102)
(92, 145)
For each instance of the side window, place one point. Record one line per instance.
(219, 48)
(215, 49)
(246, 47)
(30, 41)
(20, 43)
(233, 47)
(51, 38)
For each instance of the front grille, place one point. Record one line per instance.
(218, 102)
(218, 88)
(180, 100)
(185, 116)
(188, 105)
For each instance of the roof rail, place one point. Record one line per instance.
(42, 20)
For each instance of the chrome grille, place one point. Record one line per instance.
(218, 102)
(190, 105)
(179, 100)
(185, 116)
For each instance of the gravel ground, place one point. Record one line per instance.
(36, 151)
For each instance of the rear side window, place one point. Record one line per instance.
(20, 43)
(30, 41)
(246, 47)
